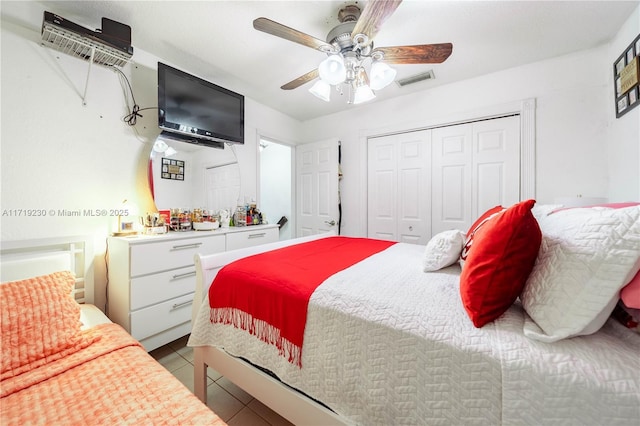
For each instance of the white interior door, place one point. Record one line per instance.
(476, 166)
(414, 188)
(399, 188)
(382, 189)
(496, 164)
(316, 187)
(451, 178)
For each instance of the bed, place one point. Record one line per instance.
(66, 363)
(508, 322)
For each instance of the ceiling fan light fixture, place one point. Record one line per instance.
(363, 94)
(332, 70)
(322, 90)
(381, 75)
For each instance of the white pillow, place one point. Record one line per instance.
(586, 257)
(443, 250)
(541, 211)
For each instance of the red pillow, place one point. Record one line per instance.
(504, 251)
(489, 214)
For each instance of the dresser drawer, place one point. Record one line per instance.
(238, 240)
(151, 289)
(166, 255)
(163, 316)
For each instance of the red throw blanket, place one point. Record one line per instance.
(267, 294)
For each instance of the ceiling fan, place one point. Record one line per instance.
(349, 47)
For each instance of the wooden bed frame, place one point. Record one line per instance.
(286, 401)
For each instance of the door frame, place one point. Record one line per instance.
(526, 108)
(262, 136)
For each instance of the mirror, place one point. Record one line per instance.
(188, 176)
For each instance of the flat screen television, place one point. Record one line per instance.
(197, 111)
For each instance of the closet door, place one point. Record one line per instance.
(451, 178)
(382, 188)
(496, 164)
(398, 187)
(476, 166)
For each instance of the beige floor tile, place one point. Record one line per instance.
(234, 390)
(170, 359)
(273, 418)
(213, 374)
(185, 375)
(186, 352)
(222, 403)
(228, 401)
(246, 417)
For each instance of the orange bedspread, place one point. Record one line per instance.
(111, 381)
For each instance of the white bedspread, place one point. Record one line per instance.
(386, 343)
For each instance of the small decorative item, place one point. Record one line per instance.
(626, 76)
(172, 169)
(224, 218)
(153, 224)
(165, 216)
(126, 225)
(240, 217)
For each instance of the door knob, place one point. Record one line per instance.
(330, 223)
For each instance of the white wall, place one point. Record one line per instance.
(577, 144)
(57, 154)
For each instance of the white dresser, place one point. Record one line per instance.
(152, 278)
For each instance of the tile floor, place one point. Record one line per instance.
(232, 404)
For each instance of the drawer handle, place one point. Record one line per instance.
(260, 235)
(186, 246)
(185, 275)
(181, 305)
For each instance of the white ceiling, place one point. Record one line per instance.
(215, 40)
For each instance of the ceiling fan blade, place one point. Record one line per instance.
(274, 28)
(373, 16)
(301, 80)
(418, 54)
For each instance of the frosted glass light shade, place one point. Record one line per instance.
(322, 90)
(332, 70)
(363, 94)
(381, 75)
(160, 146)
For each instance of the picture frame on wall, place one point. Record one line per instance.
(626, 77)
(172, 169)
(633, 96)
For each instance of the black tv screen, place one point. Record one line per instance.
(198, 111)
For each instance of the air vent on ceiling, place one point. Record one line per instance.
(428, 75)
